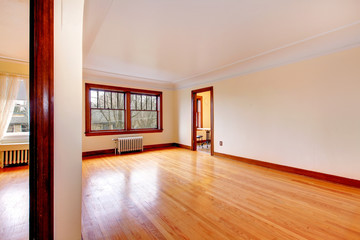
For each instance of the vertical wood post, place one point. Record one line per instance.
(41, 119)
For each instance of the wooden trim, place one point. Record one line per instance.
(158, 146)
(212, 121)
(299, 171)
(161, 112)
(100, 133)
(200, 98)
(193, 121)
(206, 89)
(98, 152)
(87, 109)
(146, 148)
(127, 110)
(121, 89)
(127, 113)
(179, 145)
(193, 118)
(41, 119)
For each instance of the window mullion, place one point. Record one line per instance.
(97, 99)
(111, 105)
(128, 111)
(157, 111)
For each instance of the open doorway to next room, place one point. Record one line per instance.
(202, 120)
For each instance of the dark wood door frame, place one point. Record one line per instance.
(41, 119)
(193, 117)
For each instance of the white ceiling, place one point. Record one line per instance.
(14, 29)
(185, 40)
(179, 43)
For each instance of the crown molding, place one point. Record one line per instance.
(90, 74)
(341, 38)
(13, 60)
(338, 39)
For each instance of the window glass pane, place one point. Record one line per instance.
(133, 102)
(25, 128)
(114, 99)
(148, 102)
(107, 100)
(101, 100)
(121, 100)
(20, 119)
(93, 97)
(143, 119)
(143, 102)
(153, 100)
(107, 119)
(138, 102)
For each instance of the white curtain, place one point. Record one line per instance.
(9, 87)
(27, 86)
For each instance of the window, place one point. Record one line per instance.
(116, 110)
(107, 110)
(19, 122)
(199, 112)
(144, 111)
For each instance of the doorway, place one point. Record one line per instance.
(202, 120)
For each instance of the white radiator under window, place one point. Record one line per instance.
(128, 143)
(14, 154)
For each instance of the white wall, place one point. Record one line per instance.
(304, 115)
(68, 17)
(93, 143)
(14, 67)
(183, 116)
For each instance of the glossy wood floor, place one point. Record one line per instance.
(180, 194)
(14, 203)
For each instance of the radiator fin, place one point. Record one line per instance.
(129, 144)
(15, 157)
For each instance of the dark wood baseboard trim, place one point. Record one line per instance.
(158, 146)
(98, 152)
(308, 173)
(146, 148)
(182, 146)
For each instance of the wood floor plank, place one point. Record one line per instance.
(180, 194)
(14, 203)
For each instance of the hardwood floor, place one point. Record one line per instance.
(180, 194)
(14, 203)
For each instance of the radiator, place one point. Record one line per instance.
(14, 154)
(129, 144)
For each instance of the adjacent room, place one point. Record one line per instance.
(184, 119)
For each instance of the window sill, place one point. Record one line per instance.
(100, 133)
(15, 138)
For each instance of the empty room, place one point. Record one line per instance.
(179, 119)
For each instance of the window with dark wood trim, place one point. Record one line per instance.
(116, 110)
(199, 112)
